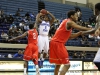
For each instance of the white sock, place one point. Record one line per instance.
(37, 66)
(25, 70)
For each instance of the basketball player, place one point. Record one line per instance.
(58, 53)
(31, 51)
(97, 33)
(43, 40)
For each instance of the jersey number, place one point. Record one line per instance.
(34, 35)
(45, 29)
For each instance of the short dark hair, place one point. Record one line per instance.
(72, 12)
(31, 25)
(97, 6)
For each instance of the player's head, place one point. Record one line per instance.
(46, 18)
(72, 15)
(97, 8)
(19, 52)
(31, 26)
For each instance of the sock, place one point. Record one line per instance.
(37, 68)
(25, 70)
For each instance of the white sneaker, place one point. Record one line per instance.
(37, 71)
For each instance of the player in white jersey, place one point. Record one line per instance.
(97, 33)
(43, 39)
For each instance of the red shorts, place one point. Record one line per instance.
(31, 53)
(58, 53)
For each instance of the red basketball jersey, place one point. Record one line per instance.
(32, 36)
(62, 34)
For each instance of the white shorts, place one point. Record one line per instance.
(97, 57)
(43, 43)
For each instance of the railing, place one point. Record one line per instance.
(7, 45)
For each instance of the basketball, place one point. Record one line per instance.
(43, 11)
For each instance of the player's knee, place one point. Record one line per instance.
(25, 64)
(66, 67)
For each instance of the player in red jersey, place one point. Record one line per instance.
(58, 53)
(31, 51)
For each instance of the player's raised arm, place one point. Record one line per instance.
(19, 37)
(52, 16)
(38, 18)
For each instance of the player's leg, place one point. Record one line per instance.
(98, 65)
(46, 49)
(97, 59)
(64, 69)
(35, 58)
(56, 71)
(26, 58)
(40, 48)
(35, 61)
(25, 67)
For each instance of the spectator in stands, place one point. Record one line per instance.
(26, 27)
(1, 16)
(19, 54)
(52, 31)
(22, 24)
(85, 41)
(13, 30)
(4, 37)
(79, 13)
(10, 19)
(17, 14)
(56, 23)
(92, 19)
(10, 56)
(32, 15)
(75, 55)
(83, 55)
(27, 15)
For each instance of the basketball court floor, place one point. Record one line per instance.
(51, 73)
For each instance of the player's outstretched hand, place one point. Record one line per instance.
(92, 31)
(10, 40)
(97, 32)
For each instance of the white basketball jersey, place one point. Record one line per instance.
(44, 28)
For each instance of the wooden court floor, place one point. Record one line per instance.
(51, 73)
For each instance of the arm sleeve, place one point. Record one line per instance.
(15, 55)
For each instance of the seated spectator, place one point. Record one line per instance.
(85, 42)
(17, 14)
(75, 55)
(11, 19)
(4, 37)
(83, 55)
(10, 56)
(21, 25)
(19, 54)
(32, 15)
(26, 27)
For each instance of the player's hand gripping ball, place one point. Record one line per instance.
(43, 11)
